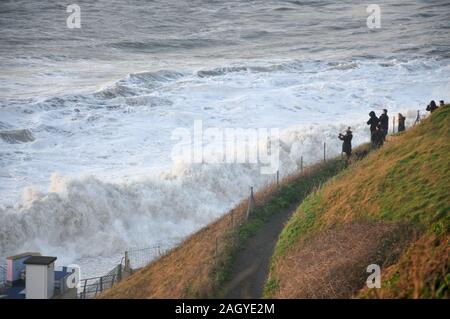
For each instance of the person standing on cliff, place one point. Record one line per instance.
(347, 145)
(432, 106)
(401, 122)
(384, 123)
(378, 137)
(373, 122)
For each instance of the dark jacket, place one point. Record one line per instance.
(432, 106)
(377, 138)
(373, 122)
(384, 121)
(347, 145)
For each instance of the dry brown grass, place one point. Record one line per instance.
(420, 272)
(333, 263)
(185, 272)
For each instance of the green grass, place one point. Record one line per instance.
(405, 181)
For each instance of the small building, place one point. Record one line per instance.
(15, 267)
(32, 276)
(39, 277)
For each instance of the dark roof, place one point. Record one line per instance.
(39, 260)
(23, 255)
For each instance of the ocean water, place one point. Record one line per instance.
(87, 115)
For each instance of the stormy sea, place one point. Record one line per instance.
(87, 114)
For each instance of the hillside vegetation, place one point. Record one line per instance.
(390, 209)
(201, 266)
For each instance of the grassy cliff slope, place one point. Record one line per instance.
(390, 209)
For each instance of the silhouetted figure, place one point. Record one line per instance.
(432, 106)
(373, 122)
(347, 145)
(384, 123)
(378, 137)
(401, 122)
(441, 103)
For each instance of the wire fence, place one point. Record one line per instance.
(132, 260)
(140, 257)
(91, 287)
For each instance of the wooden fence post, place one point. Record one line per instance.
(158, 249)
(278, 178)
(96, 289)
(301, 163)
(127, 262)
(250, 203)
(324, 151)
(393, 125)
(119, 272)
(417, 118)
(84, 288)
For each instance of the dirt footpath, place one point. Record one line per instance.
(251, 265)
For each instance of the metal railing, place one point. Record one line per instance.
(140, 257)
(91, 287)
(133, 259)
(2, 278)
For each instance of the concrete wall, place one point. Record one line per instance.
(36, 282)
